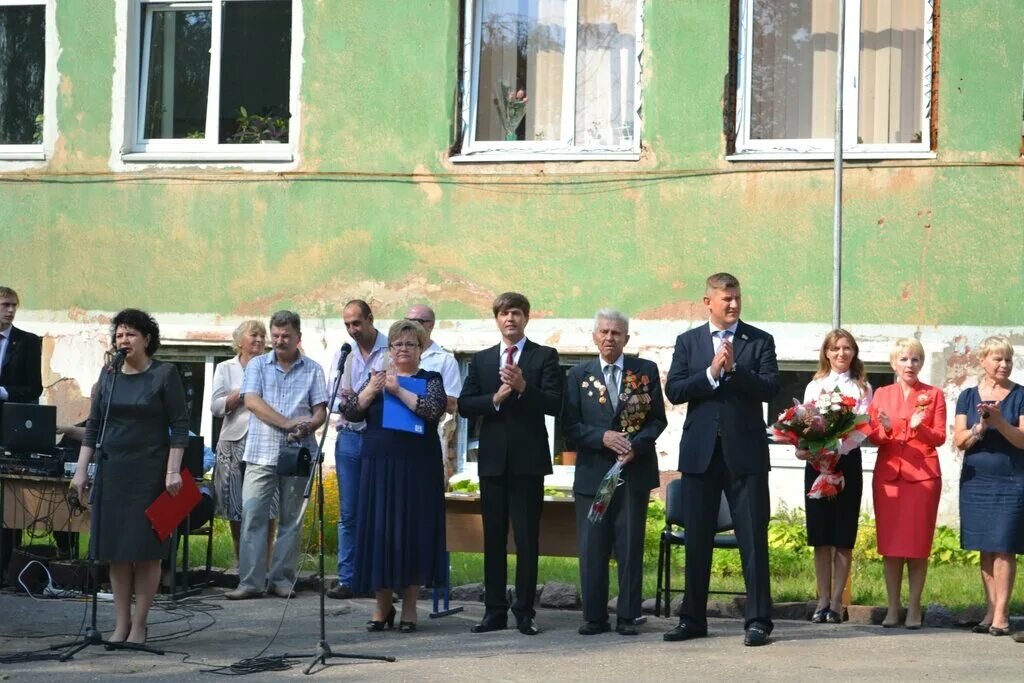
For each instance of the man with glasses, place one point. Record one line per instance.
(437, 359)
(371, 347)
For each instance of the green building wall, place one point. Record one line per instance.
(375, 209)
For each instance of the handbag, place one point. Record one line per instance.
(294, 460)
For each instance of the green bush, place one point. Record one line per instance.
(946, 549)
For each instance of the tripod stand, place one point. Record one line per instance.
(323, 649)
(92, 633)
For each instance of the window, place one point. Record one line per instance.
(195, 366)
(786, 78)
(551, 79)
(22, 78)
(213, 80)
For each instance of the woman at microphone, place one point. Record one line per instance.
(143, 442)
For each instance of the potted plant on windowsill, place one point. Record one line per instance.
(260, 128)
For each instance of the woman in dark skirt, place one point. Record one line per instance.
(989, 427)
(145, 439)
(832, 522)
(400, 536)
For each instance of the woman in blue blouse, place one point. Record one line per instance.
(990, 429)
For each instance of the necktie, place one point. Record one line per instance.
(612, 380)
(723, 336)
(510, 353)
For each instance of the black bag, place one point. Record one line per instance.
(294, 460)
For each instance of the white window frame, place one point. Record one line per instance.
(40, 151)
(474, 150)
(748, 149)
(134, 147)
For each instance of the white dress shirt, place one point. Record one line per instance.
(846, 386)
(357, 370)
(716, 342)
(436, 359)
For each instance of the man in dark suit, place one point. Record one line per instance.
(511, 387)
(20, 382)
(723, 372)
(614, 410)
(20, 355)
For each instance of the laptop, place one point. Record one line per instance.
(28, 428)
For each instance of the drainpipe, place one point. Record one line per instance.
(837, 209)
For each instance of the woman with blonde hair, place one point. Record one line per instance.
(249, 340)
(989, 428)
(832, 522)
(908, 422)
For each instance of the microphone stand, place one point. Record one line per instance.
(92, 633)
(323, 650)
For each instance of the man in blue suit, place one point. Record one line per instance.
(723, 372)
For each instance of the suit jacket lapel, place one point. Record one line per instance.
(593, 369)
(705, 345)
(739, 341)
(11, 344)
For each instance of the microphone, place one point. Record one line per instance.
(117, 361)
(346, 349)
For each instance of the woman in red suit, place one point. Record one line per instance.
(908, 422)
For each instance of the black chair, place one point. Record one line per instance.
(198, 523)
(674, 534)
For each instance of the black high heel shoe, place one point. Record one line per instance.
(406, 626)
(379, 625)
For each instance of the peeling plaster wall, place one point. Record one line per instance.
(374, 209)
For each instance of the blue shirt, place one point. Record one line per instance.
(294, 394)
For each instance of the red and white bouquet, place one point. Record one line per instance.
(605, 491)
(827, 427)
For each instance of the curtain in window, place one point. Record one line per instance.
(891, 53)
(793, 69)
(522, 48)
(605, 72)
(22, 71)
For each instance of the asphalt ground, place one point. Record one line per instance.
(202, 633)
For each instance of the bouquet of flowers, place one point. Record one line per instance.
(605, 492)
(827, 428)
(511, 106)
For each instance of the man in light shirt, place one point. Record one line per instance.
(371, 348)
(286, 395)
(437, 359)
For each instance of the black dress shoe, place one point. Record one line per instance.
(488, 624)
(756, 635)
(626, 627)
(820, 616)
(528, 627)
(592, 628)
(684, 631)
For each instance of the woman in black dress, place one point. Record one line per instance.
(832, 522)
(146, 435)
(400, 534)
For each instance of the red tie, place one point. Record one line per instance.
(510, 353)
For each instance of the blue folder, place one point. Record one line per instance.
(397, 415)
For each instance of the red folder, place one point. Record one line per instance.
(167, 511)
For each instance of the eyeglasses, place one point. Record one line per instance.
(405, 345)
(421, 321)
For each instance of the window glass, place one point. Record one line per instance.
(605, 73)
(254, 71)
(22, 71)
(522, 64)
(793, 69)
(891, 70)
(178, 73)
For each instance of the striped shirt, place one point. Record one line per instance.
(294, 394)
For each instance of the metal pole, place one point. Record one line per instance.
(837, 209)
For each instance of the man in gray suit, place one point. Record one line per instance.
(614, 410)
